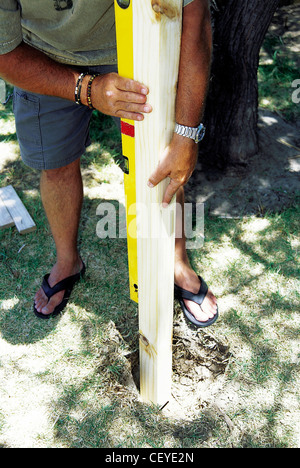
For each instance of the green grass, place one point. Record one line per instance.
(276, 73)
(66, 380)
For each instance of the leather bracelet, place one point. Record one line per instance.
(89, 92)
(78, 88)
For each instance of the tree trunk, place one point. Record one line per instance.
(232, 103)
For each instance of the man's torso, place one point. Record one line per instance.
(72, 31)
(78, 32)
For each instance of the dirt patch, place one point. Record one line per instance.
(200, 360)
(268, 183)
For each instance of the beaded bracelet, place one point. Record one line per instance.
(78, 88)
(89, 92)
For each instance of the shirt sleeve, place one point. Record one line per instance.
(10, 26)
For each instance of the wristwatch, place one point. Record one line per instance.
(195, 133)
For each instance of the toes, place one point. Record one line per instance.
(45, 306)
(48, 308)
(206, 311)
(199, 314)
(52, 303)
(39, 305)
(210, 304)
(40, 300)
(39, 296)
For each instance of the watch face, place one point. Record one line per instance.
(200, 133)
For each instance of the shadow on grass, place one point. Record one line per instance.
(102, 296)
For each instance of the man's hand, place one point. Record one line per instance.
(120, 97)
(177, 162)
(111, 94)
(179, 159)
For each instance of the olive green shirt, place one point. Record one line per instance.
(75, 32)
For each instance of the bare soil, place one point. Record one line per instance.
(268, 183)
(271, 178)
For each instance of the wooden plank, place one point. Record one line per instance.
(5, 218)
(156, 45)
(22, 219)
(148, 41)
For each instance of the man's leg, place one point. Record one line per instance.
(62, 194)
(53, 133)
(185, 277)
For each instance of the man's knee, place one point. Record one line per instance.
(62, 173)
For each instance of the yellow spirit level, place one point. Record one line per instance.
(123, 15)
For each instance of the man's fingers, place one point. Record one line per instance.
(171, 189)
(126, 84)
(131, 111)
(121, 97)
(130, 115)
(133, 107)
(157, 176)
(124, 96)
(131, 100)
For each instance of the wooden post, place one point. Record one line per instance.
(156, 34)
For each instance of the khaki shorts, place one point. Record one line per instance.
(52, 132)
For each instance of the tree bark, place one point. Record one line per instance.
(232, 103)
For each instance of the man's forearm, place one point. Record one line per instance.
(111, 94)
(33, 71)
(195, 60)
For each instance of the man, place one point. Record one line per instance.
(44, 48)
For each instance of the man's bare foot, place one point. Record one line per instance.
(187, 279)
(59, 272)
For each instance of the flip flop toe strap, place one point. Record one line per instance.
(64, 285)
(197, 298)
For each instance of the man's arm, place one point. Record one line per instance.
(180, 157)
(34, 71)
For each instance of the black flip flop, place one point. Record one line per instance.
(181, 294)
(66, 285)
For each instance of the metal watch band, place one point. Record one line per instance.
(195, 133)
